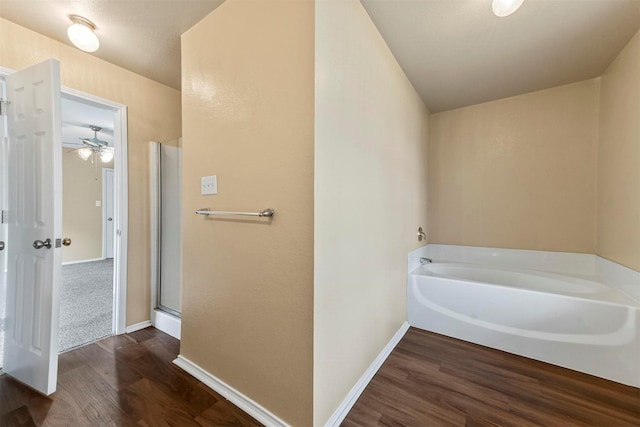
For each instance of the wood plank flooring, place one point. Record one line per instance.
(127, 380)
(432, 380)
(428, 380)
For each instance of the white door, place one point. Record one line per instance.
(3, 227)
(107, 217)
(3, 194)
(34, 225)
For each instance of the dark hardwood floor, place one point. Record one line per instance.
(127, 380)
(432, 380)
(428, 380)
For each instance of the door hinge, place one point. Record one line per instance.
(4, 218)
(3, 106)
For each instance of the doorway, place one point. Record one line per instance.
(117, 295)
(120, 203)
(86, 294)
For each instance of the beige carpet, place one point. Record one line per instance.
(86, 303)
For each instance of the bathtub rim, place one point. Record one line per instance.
(414, 289)
(613, 295)
(580, 265)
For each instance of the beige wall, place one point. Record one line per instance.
(248, 79)
(618, 235)
(81, 218)
(518, 172)
(370, 197)
(153, 114)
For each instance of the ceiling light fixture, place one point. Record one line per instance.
(81, 33)
(106, 156)
(85, 153)
(94, 147)
(502, 8)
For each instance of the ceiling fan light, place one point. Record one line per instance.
(502, 8)
(81, 34)
(106, 156)
(85, 153)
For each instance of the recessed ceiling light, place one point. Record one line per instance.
(81, 34)
(503, 8)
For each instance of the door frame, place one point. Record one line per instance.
(121, 199)
(105, 172)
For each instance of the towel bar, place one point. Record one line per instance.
(265, 213)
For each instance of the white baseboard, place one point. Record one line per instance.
(137, 326)
(341, 412)
(82, 261)
(234, 396)
(166, 323)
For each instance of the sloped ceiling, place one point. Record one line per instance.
(457, 53)
(140, 35)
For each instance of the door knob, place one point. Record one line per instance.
(109, 219)
(39, 244)
(1, 246)
(66, 241)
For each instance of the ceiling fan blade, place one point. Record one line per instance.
(75, 150)
(89, 142)
(74, 144)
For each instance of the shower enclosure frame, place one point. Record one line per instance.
(162, 317)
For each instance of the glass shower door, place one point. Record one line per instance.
(170, 229)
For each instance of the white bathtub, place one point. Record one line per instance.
(582, 314)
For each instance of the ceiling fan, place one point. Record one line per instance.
(91, 146)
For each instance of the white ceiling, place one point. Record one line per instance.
(454, 52)
(140, 35)
(76, 119)
(457, 53)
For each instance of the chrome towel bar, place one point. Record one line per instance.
(265, 213)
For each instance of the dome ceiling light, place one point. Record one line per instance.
(502, 8)
(81, 33)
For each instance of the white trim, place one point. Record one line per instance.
(137, 326)
(4, 71)
(82, 261)
(350, 399)
(166, 322)
(234, 396)
(121, 206)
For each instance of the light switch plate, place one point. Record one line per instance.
(209, 185)
(98, 203)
